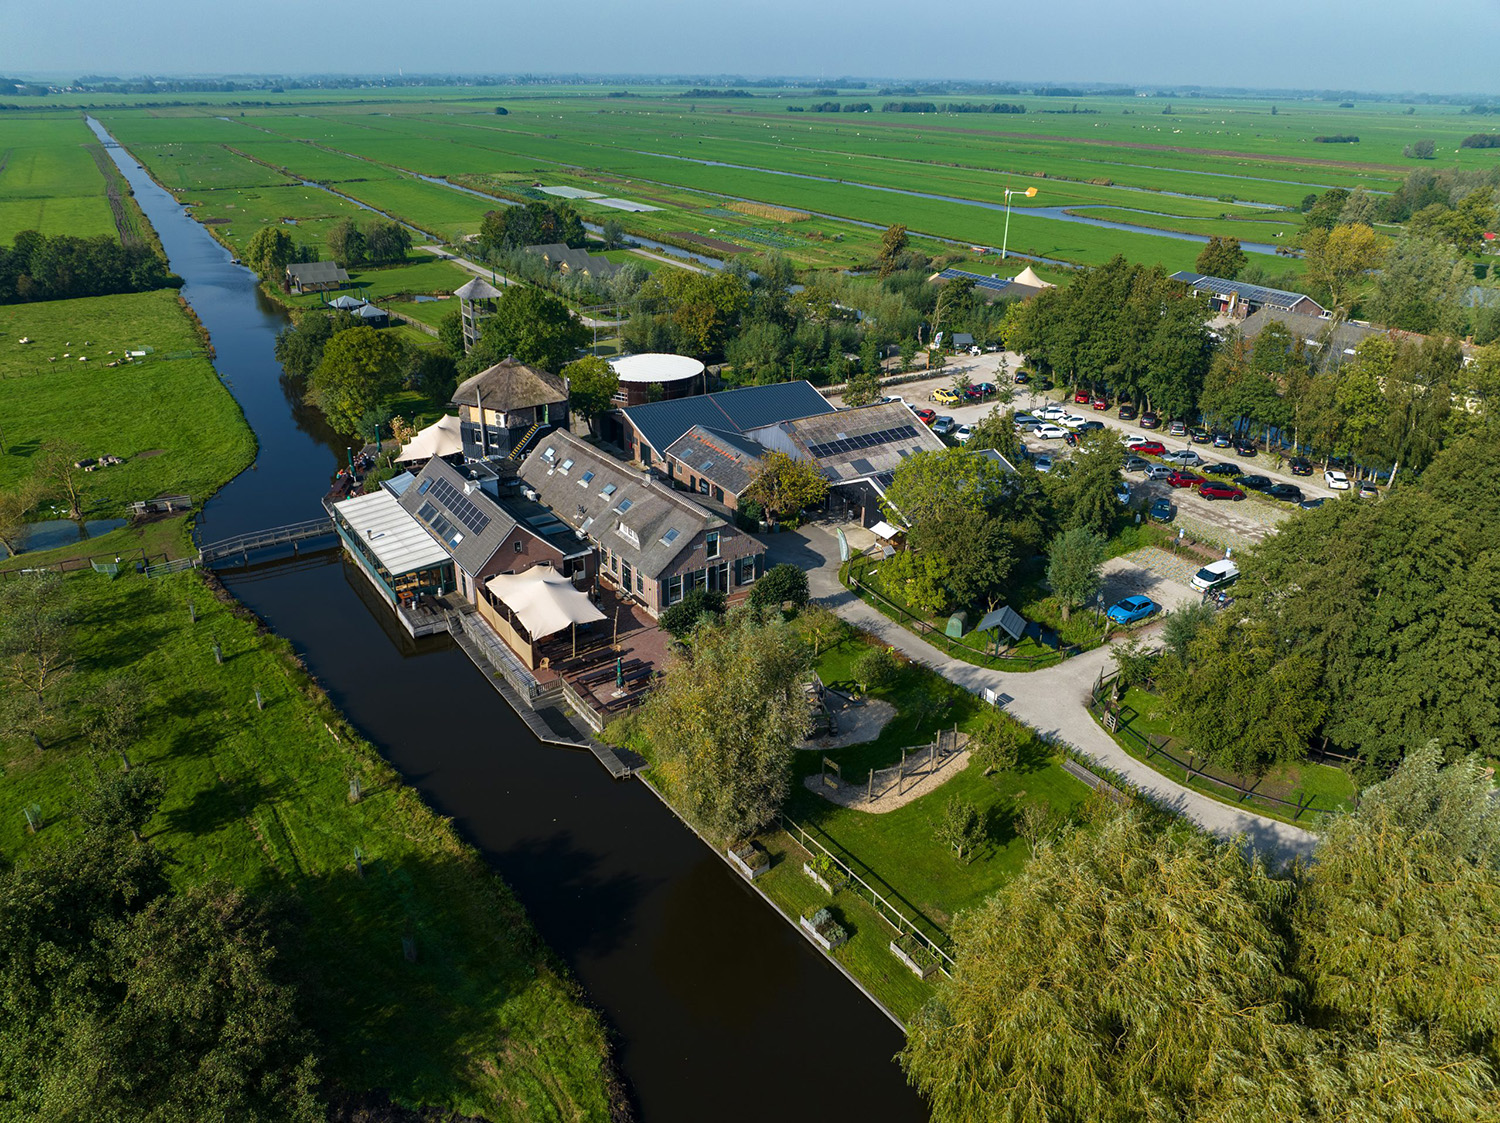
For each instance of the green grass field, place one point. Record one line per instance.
(483, 1022)
(173, 421)
(48, 180)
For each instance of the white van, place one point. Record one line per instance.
(1215, 575)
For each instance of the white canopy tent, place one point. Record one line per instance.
(544, 600)
(441, 438)
(1028, 276)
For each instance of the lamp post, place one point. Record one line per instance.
(1030, 193)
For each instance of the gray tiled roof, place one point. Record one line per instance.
(1313, 330)
(734, 411)
(861, 443)
(438, 491)
(652, 508)
(509, 385)
(316, 272)
(726, 459)
(577, 261)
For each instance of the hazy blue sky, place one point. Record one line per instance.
(1444, 46)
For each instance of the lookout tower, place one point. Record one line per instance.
(476, 302)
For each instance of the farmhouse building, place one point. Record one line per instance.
(655, 545)
(715, 464)
(1239, 299)
(645, 432)
(502, 408)
(316, 276)
(565, 259)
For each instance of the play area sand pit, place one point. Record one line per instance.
(857, 722)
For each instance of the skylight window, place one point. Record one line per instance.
(587, 476)
(625, 505)
(669, 537)
(422, 488)
(609, 489)
(705, 466)
(564, 466)
(549, 453)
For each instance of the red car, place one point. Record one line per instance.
(1148, 448)
(927, 416)
(1215, 489)
(1101, 402)
(1083, 397)
(1184, 479)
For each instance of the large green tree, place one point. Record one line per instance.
(268, 253)
(785, 485)
(592, 383)
(1222, 257)
(726, 719)
(530, 325)
(359, 371)
(1073, 561)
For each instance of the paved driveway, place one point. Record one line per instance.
(1052, 701)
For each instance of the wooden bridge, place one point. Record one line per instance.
(293, 534)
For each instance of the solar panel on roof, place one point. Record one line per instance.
(459, 506)
(865, 440)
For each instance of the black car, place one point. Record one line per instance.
(1312, 504)
(1200, 436)
(1243, 447)
(1225, 469)
(1135, 464)
(1127, 412)
(1150, 420)
(1022, 377)
(1162, 510)
(1291, 493)
(1088, 426)
(1255, 483)
(1301, 466)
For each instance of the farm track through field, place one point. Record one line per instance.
(124, 221)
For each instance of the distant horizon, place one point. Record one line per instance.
(1383, 47)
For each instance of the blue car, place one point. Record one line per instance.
(1131, 609)
(1162, 510)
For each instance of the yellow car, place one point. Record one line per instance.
(946, 397)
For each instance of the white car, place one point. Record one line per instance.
(1122, 493)
(1052, 413)
(1133, 439)
(1336, 480)
(1215, 575)
(962, 434)
(1050, 432)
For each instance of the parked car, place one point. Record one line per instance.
(1289, 493)
(1243, 447)
(1050, 432)
(1312, 504)
(1336, 480)
(1122, 493)
(1088, 426)
(1052, 412)
(1215, 575)
(1043, 463)
(973, 394)
(1150, 420)
(1162, 510)
(1072, 421)
(1368, 490)
(944, 425)
(1101, 402)
(1184, 479)
(962, 434)
(1183, 457)
(1022, 377)
(1177, 428)
(1200, 436)
(1224, 469)
(1213, 489)
(926, 416)
(1027, 419)
(1151, 448)
(1135, 464)
(1159, 472)
(1131, 609)
(1043, 384)
(985, 388)
(1135, 440)
(1255, 483)
(1127, 412)
(1221, 439)
(892, 399)
(1082, 397)
(946, 396)
(1301, 466)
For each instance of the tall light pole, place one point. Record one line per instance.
(1030, 193)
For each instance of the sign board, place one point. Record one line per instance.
(843, 544)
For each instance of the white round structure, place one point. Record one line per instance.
(644, 370)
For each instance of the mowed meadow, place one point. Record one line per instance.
(49, 179)
(1191, 166)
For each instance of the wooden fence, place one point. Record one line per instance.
(72, 565)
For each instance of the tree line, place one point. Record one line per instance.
(39, 266)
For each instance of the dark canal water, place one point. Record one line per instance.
(720, 1010)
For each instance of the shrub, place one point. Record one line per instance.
(782, 584)
(683, 616)
(875, 668)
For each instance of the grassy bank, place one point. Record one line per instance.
(484, 1021)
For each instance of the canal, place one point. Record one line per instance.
(719, 1009)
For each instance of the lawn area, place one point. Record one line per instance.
(170, 418)
(483, 1022)
(48, 179)
(421, 274)
(1327, 786)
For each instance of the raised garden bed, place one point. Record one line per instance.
(822, 927)
(750, 858)
(920, 960)
(826, 874)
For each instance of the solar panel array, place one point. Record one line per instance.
(864, 440)
(459, 506)
(994, 284)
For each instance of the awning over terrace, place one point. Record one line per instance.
(441, 438)
(544, 600)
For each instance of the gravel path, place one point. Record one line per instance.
(1052, 701)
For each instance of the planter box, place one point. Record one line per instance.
(911, 964)
(823, 941)
(752, 872)
(829, 887)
